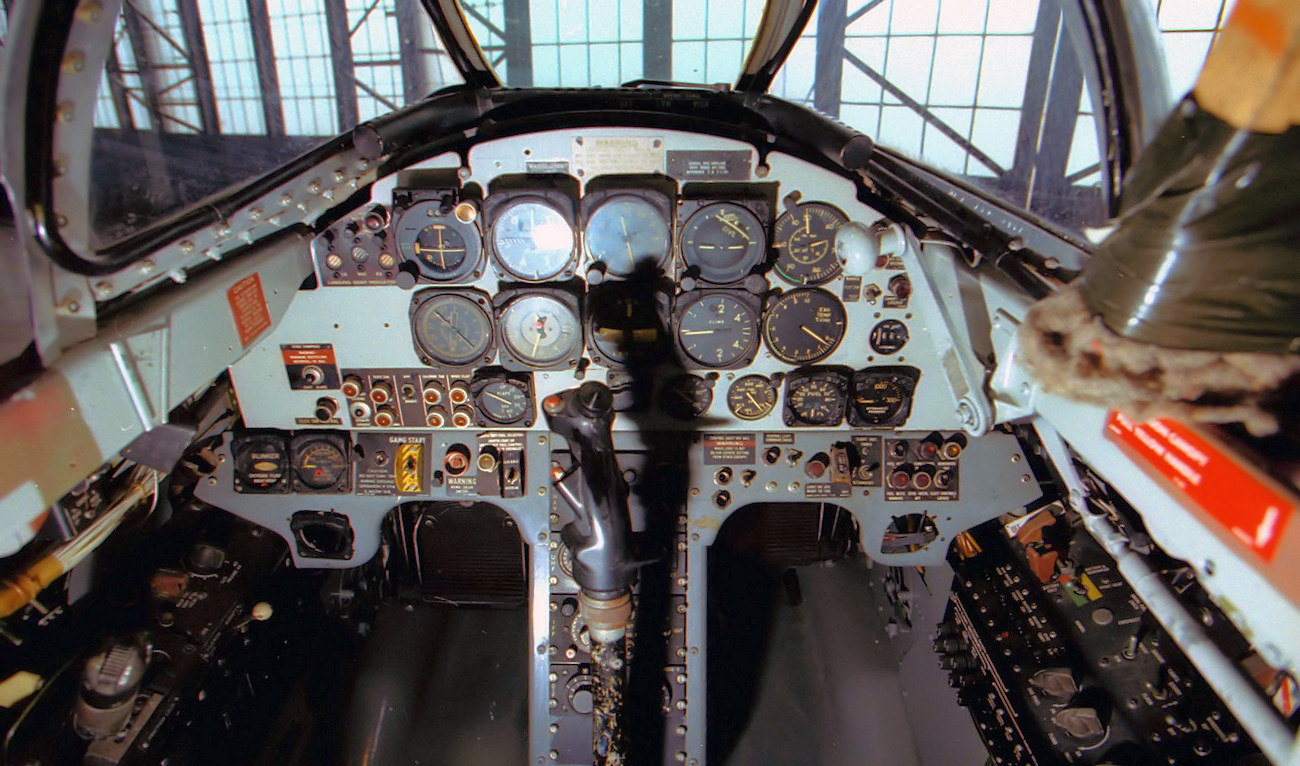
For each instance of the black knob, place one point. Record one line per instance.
(594, 399)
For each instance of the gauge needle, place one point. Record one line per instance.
(698, 332)
(813, 335)
(737, 228)
(536, 340)
(501, 399)
(806, 225)
(752, 400)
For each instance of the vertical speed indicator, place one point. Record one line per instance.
(718, 330)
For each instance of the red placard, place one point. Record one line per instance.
(248, 305)
(1242, 501)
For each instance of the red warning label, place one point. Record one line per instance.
(248, 306)
(1244, 503)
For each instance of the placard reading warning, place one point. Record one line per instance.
(728, 448)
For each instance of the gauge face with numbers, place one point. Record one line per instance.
(319, 464)
(452, 329)
(751, 397)
(687, 397)
(539, 330)
(625, 231)
(804, 326)
(815, 401)
(442, 247)
(718, 330)
(503, 401)
(725, 241)
(532, 240)
(805, 244)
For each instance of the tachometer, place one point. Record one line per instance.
(804, 325)
(724, 240)
(441, 246)
(751, 397)
(625, 230)
(805, 244)
(532, 240)
(718, 330)
(453, 329)
(540, 330)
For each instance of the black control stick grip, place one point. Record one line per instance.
(600, 539)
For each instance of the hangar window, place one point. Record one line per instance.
(198, 95)
(991, 91)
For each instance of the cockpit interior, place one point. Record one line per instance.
(717, 382)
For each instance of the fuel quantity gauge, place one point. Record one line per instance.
(815, 398)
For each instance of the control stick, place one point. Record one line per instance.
(603, 566)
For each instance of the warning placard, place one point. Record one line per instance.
(248, 306)
(728, 449)
(1244, 502)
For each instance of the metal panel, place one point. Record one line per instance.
(104, 393)
(1263, 601)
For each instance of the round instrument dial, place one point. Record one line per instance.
(626, 230)
(889, 337)
(319, 464)
(804, 326)
(718, 331)
(540, 330)
(724, 240)
(441, 246)
(624, 324)
(503, 401)
(805, 244)
(751, 397)
(687, 397)
(452, 329)
(532, 240)
(816, 401)
(879, 401)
